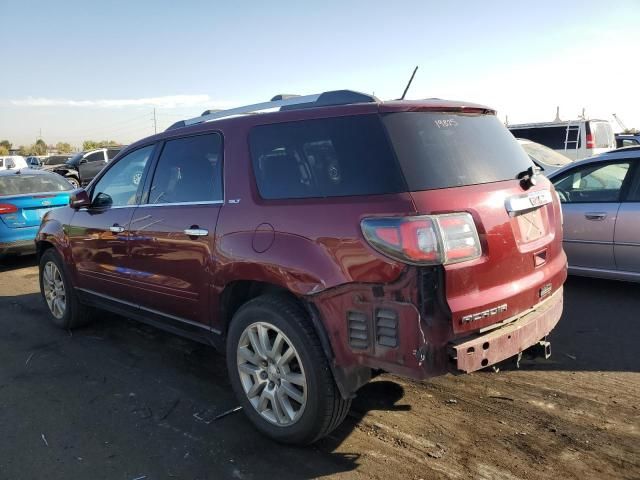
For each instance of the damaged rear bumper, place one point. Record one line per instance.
(510, 338)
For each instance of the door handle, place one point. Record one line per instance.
(597, 216)
(196, 232)
(116, 228)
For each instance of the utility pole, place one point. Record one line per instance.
(155, 123)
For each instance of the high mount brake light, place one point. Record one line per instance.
(426, 239)
(7, 208)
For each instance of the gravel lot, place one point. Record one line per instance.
(120, 400)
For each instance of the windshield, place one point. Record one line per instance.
(441, 150)
(545, 155)
(21, 184)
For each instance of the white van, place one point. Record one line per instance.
(575, 139)
(12, 162)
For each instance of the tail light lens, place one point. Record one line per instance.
(590, 141)
(7, 208)
(425, 240)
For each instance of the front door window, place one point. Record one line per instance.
(119, 186)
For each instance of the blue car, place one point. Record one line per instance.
(25, 196)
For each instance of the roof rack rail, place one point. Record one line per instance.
(284, 102)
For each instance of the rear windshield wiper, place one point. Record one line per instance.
(528, 177)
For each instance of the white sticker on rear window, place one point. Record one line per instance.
(445, 123)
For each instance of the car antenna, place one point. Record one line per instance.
(409, 84)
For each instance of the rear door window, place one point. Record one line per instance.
(441, 150)
(332, 157)
(189, 170)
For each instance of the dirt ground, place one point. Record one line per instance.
(120, 400)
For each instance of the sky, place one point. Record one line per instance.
(77, 70)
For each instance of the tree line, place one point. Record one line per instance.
(41, 148)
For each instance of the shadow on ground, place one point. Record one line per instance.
(119, 399)
(15, 262)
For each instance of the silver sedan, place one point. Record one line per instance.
(601, 206)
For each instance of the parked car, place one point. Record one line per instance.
(80, 169)
(343, 236)
(546, 159)
(54, 160)
(25, 196)
(601, 205)
(576, 139)
(627, 139)
(12, 162)
(34, 161)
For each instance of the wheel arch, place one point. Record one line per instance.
(240, 292)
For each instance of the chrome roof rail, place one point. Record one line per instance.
(289, 102)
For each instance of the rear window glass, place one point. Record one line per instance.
(440, 150)
(20, 184)
(330, 157)
(552, 137)
(602, 134)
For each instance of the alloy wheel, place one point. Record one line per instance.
(54, 292)
(271, 374)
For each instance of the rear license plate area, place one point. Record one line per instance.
(531, 225)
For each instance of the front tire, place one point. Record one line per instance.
(60, 299)
(73, 181)
(280, 373)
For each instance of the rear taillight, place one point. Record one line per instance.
(590, 141)
(7, 208)
(425, 240)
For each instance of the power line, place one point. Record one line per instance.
(96, 130)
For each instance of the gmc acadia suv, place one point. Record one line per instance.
(336, 237)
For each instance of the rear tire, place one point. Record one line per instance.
(58, 294)
(284, 382)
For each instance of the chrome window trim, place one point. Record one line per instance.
(115, 207)
(211, 202)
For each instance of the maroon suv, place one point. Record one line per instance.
(336, 237)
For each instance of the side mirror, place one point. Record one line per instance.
(79, 199)
(83, 161)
